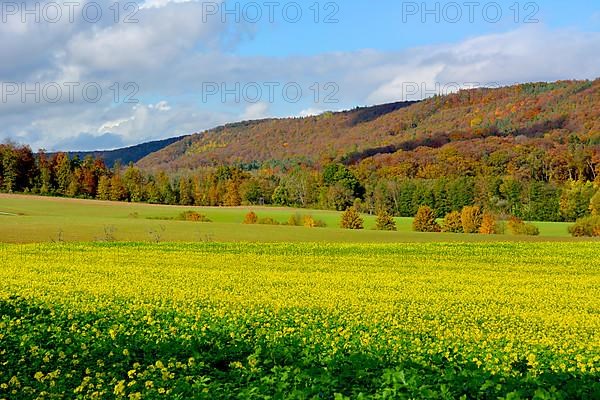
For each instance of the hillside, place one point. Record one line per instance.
(273, 139)
(127, 154)
(521, 113)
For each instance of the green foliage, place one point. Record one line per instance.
(511, 190)
(253, 193)
(385, 221)
(281, 196)
(586, 227)
(544, 202)
(343, 186)
(575, 201)
(425, 220)
(351, 219)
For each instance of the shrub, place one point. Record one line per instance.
(518, 227)
(471, 218)
(251, 218)
(310, 222)
(588, 226)
(351, 219)
(384, 221)
(320, 223)
(295, 220)
(305, 220)
(452, 223)
(267, 221)
(193, 216)
(489, 224)
(425, 220)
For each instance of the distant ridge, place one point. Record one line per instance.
(126, 155)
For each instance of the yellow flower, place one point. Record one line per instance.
(119, 388)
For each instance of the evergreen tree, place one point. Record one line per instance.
(384, 221)
(351, 219)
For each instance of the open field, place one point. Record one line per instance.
(26, 219)
(208, 320)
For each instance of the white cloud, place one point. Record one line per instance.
(256, 111)
(161, 106)
(170, 55)
(111, 126)
(310, 112)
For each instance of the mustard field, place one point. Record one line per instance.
(300, 321)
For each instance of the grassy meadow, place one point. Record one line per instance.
(26, 219)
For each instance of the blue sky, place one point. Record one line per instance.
(382, 25)
(181, 66)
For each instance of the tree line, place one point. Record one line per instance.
(498, 182)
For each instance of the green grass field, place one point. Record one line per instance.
(25, 219)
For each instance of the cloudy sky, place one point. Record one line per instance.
(100, 74)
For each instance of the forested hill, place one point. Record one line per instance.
(127, 154)
(543, 114)
(273, 139)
